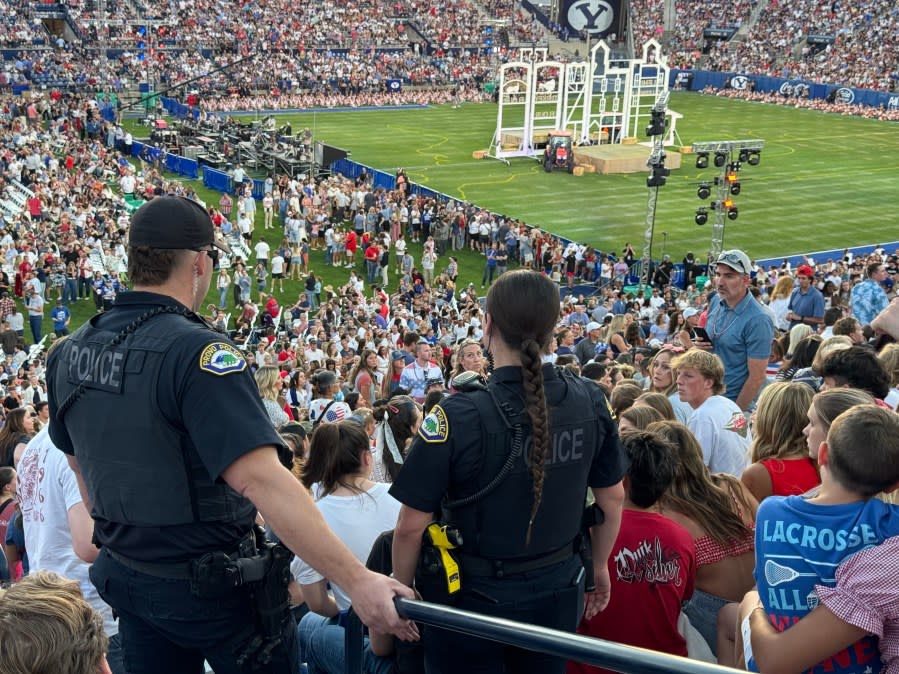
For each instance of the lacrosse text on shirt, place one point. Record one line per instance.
(821, 538)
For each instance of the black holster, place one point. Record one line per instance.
(592, 516)
(265, 574)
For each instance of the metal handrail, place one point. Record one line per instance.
(589, 650)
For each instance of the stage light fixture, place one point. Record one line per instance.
(704, 191)
(702, 216)
(720, 158)
(732, 213)
(733, 183)
(702, 160)
(657, 123)
(744, 155)
(658, 174)
(755, 156)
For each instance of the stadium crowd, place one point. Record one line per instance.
(861, 54)
(380, 359)
(743, 410)
(329, 47)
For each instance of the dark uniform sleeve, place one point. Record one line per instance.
(216, 399)
(610, 461)
(58, 432)
(440, 453)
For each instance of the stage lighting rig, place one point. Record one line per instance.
(729, 157)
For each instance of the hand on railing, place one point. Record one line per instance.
(373, 601)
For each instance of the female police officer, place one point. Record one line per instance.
(508, 467)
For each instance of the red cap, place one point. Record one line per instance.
(805, 270)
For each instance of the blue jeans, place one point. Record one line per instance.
(321, 642)
(489, 271)
(223, 297)
(702, 610)
(34, 323)
(550, 597)
(70, 291)
(165, 628)
(114, 655)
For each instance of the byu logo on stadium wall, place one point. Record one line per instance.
(893, 103)
(845, 95)
(593, 16)
(739, 82)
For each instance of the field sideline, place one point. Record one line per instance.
(825, 181)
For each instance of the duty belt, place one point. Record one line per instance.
(498, 568)
(180, 570)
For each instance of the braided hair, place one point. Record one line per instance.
(524, 307)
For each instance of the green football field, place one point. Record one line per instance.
(824, 181)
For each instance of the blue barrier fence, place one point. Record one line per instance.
(222, 182)
(173, 162)
(697, 80)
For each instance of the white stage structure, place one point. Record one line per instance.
(603, 100)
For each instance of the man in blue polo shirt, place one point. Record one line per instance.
(740, 330)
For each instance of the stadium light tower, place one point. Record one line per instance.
(729, 157)
(658, 175)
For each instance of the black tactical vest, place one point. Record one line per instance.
(495, 527)
(139, 469)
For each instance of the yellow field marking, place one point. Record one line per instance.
(509, 178)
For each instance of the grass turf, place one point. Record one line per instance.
(824, 181)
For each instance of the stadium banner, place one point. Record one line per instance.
(820, 39)
(697, 80)
(596, 18)
(719, 33)
(394, 86)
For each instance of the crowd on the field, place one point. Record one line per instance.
(841, 108)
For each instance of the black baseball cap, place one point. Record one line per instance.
(173, 223)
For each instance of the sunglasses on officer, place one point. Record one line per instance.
(212, 252)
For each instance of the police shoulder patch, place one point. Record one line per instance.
(435, 426)
(220, 359)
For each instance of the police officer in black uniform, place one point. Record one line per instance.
(164, 426)
(508, 467)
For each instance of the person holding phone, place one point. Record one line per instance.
(738, 329)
